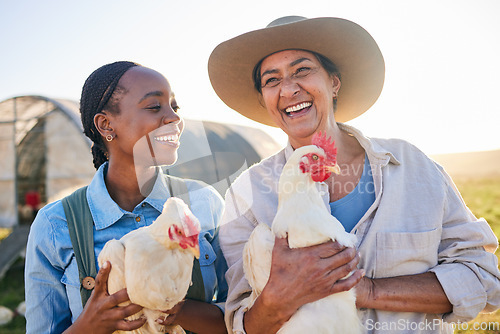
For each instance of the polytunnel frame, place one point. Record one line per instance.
(22, 125)
(213, 152)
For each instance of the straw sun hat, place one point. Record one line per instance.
(346, 44)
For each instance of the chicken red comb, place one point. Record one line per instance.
(193, 228)
(327, 144)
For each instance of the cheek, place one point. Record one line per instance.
(269, 99)
(142, 152)
(181, 125)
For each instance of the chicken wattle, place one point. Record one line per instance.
(155, 264)
(305, 220)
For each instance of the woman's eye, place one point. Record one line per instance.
(175, 108)
(271, 82)
(302, 72)
(155, 107)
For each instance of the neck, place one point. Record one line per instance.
(348, 147)
(129, 185)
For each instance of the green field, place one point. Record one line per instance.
(482, 197)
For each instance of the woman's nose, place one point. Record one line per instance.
(171, 116)
(289, 88)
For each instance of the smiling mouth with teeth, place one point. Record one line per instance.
(298, 107)
(168, 138)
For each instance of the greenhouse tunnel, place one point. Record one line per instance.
(46, 156)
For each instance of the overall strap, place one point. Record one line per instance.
(80, 226)
(178, 188)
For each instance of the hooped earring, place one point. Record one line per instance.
(109, 138)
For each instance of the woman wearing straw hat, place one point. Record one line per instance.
(423, 262)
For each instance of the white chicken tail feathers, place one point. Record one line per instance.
(257, 256)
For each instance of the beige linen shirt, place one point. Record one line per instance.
(418, 223)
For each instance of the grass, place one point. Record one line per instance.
(4, 232)
(11, 294)
(482, 196)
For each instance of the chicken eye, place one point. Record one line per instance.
(179, 232)
(315, 157)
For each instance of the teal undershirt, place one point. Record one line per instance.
(351, 208)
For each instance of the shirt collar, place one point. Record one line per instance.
(105, 212)
(375, 152)
(160, 192)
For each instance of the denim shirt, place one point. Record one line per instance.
(53, 299)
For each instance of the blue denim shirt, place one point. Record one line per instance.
(53, 299)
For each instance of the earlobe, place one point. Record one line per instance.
(102, 124)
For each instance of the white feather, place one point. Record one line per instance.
(156, 273)
(304, 218)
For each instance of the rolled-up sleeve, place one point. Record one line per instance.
(468, 274)
(47, 306)
(234, 233)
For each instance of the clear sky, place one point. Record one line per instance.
(442, 56)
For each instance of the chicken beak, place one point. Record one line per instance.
(334, 169)
(196, 251)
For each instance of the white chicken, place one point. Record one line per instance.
(6, 315)
(304, 218)
(155, 263)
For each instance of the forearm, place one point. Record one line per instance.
(265, 316)
(413, 293)
(201, 318)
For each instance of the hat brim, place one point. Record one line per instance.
(350, 47)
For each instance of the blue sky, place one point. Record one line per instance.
(442, 68)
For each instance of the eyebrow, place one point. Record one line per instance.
(298, 61)
(269, 72)
(292, 64)
(155, 93)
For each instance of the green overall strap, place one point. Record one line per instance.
(196, 291)
(80, 226)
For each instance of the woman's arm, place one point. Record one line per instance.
(413, 293)
(300, 276)
(198, 317)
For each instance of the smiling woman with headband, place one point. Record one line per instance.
(131, 115)
(423, 253)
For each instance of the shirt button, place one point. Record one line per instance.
(206, 256)
(137, 219)
(143, 204)
(88, 283)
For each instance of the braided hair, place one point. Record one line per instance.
(96, 97)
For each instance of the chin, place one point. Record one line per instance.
(301, 135)
(166, 159)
